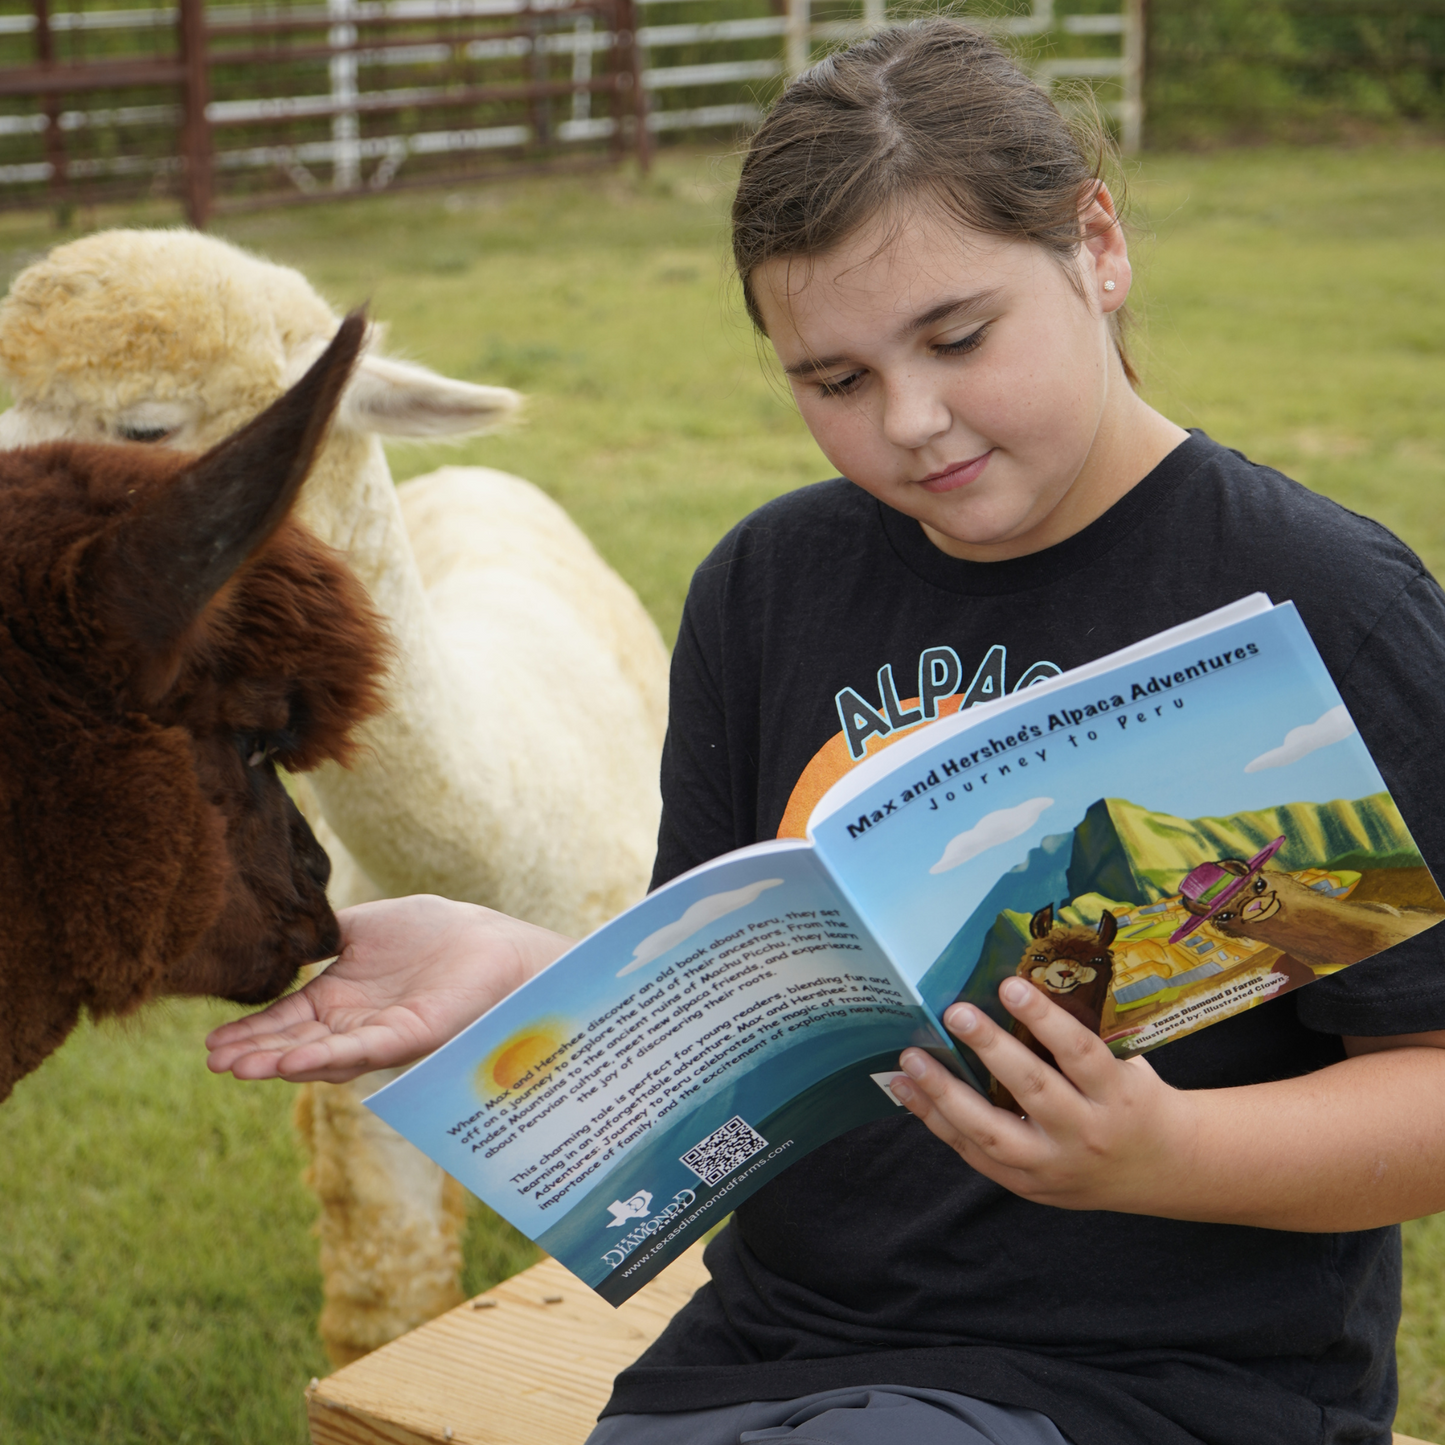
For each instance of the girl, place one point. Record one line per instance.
(1200, 1247)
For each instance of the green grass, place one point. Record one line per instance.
(157, 1275)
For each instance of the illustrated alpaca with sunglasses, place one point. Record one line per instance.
(1244, 899)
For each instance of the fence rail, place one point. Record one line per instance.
(238, 105)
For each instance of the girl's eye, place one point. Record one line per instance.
(842, 386)
(964, 344)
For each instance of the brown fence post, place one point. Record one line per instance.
(50, 107)
(196, 136)
(628, 17)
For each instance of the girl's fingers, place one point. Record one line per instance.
(252, 1065)
(1081, 1055)
(1037, 1088)
(273, 1040)
(293, 1009)
(957, 1114)
(330, 1058)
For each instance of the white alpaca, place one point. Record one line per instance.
(517, 763)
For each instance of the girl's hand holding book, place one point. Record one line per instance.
(412, 973)
(1098, 1135)
(1331, 1150)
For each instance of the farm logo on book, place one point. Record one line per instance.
(650, 1226)
(624, 1209)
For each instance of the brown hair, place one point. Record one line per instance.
(932, 109)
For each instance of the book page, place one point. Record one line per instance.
(1200, 824)
(627, 1098)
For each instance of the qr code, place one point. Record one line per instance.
(714, 1158)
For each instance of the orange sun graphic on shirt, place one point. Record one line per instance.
(831, 761)
(531, 1053)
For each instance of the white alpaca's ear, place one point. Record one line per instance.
(399, 399)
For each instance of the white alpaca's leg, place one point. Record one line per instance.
(391, 1221)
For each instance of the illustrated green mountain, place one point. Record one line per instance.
(1122, 855)
(1126, 852)
(1041, 878)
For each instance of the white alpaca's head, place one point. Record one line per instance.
(173, 337)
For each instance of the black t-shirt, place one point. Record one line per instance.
(882, 1258)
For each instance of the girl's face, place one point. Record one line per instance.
(962, 378)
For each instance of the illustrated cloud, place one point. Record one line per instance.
(989, 832)
(1332, 727)
(699, 915)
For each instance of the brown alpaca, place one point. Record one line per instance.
(1071, 966)
(167, 637)
(1311, 927)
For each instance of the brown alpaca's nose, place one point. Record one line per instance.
(308, 853)
(316, 862)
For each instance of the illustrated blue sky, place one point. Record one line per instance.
(1189, 762)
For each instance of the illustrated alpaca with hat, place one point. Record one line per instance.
(1246, 900)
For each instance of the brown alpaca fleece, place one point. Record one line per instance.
(167, 638)
(1072, 967)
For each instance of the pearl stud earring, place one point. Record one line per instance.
(1108, 285)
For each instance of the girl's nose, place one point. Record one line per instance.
(913, 413)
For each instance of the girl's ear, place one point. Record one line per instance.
(1104, 254)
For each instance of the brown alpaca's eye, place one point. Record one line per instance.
(1260, 885)
(1038, 958)
(255, 750)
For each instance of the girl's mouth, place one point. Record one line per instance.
(958, 475)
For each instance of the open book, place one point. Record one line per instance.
(1158, 840)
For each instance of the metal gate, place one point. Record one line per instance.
(241, 105)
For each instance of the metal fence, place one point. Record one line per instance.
(238, 105)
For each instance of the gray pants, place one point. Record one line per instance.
(872, 1415)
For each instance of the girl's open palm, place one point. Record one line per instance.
(411, 974)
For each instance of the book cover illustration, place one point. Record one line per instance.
(1206, 832)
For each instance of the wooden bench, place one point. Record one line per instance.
(528, 1363)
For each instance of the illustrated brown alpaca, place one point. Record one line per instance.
(1311, 927)
(167, 637)
(1071, 966)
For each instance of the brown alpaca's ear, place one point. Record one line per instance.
(1041, 924)
(1108, 927)
(175, 552)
